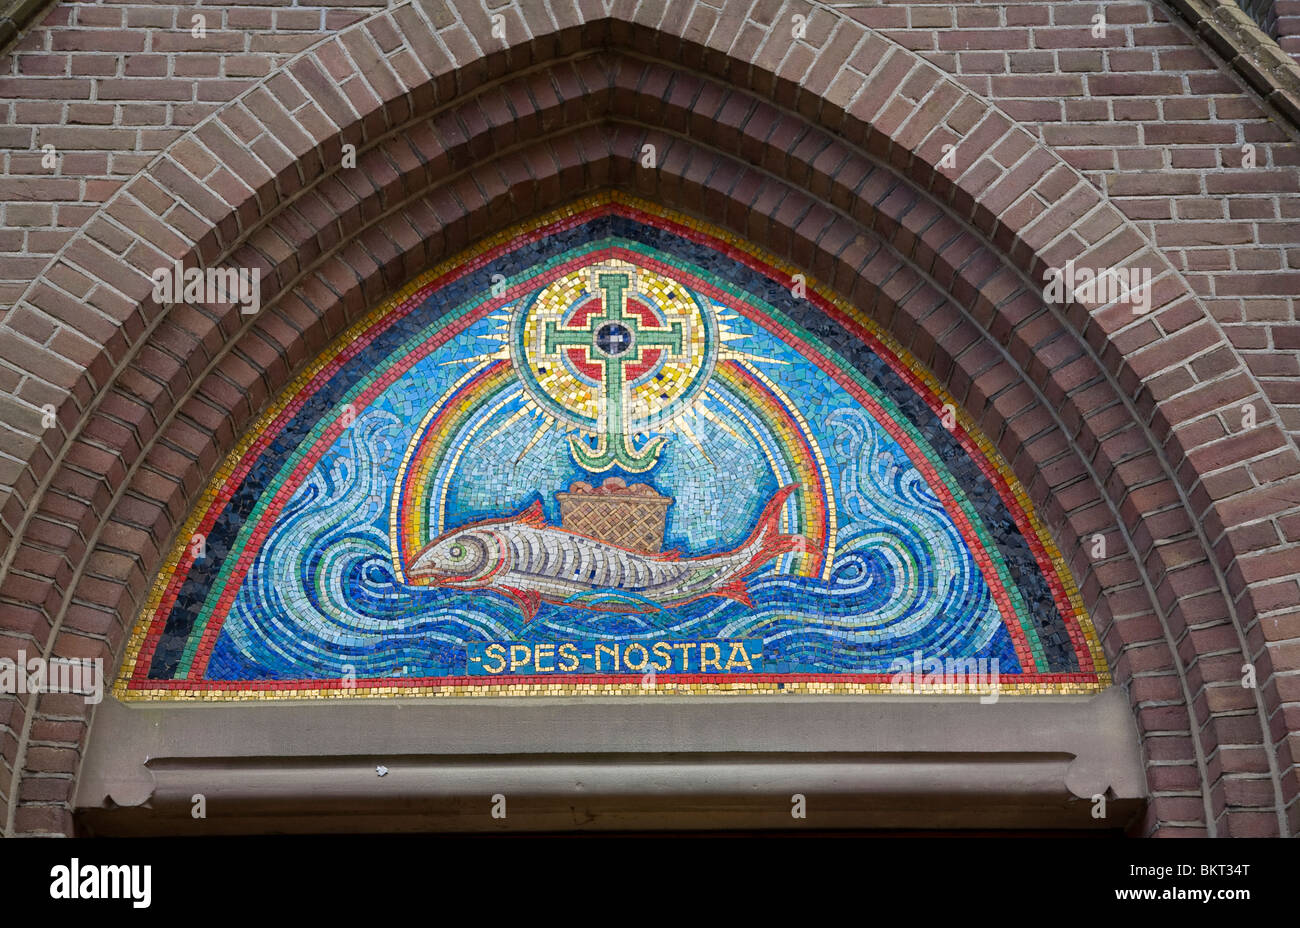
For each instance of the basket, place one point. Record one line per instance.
(628, 516)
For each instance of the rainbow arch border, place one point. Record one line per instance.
(132, 683)
(430, 457)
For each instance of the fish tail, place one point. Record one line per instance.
(769, 523)
(776, 545)
(736, 590)
(767, 533)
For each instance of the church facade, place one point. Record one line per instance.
(553, 415)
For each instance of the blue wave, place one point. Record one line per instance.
(322, 600)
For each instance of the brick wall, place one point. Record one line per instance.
(1288, 25)
(1147, 113)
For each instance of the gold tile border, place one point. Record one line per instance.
(144, 618)
(629, 689)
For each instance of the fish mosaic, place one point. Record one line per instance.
(613, 451)
(531, 561)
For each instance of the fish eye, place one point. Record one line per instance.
(457, 552)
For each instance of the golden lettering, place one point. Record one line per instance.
(627, 656)
(547, 651)
(612, 651)
(686, 648)
(665, 655)
(498, 653)
(568, 652)
(715, 660)
(744, 656)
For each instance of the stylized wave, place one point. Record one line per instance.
(322, 598)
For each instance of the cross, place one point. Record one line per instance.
(612, 339)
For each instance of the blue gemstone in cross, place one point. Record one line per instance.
(613, 338)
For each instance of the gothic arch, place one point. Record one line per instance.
(780, 142)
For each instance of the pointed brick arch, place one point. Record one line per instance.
(779, 142)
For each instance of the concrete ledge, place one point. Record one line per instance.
(16, 16)
(1251, 51)
(572, 764)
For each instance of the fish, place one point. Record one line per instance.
(532, 561)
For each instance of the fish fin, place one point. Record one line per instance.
(736, 590)
(769, 523)
(533, 515)
(529, 600)
(776, 545)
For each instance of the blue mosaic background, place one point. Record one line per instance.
(322, 599)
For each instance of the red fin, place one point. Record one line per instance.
(529, 600)
(776, 545)
(736, 590)
(533, 515)
(674, 555)
(769, 523)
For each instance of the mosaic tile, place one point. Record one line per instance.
(612, 452)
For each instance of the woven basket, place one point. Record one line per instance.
(630, 517)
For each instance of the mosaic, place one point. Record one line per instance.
(613, 452)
